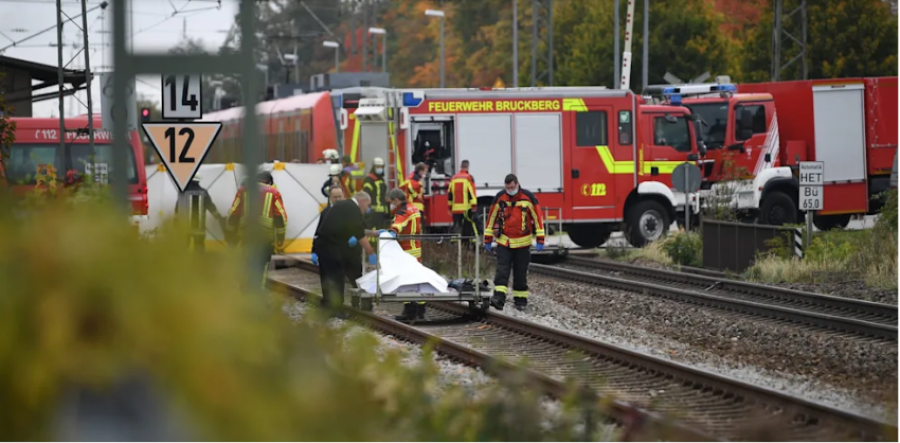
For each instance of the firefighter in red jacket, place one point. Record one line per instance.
(415, 189)
(407, 221)
(515, 217)
(273, 218)
(463, 201)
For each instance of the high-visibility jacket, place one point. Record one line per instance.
(408, 221)
(377, 190)
(414, 191)
(514, 218)
(461, 193)
(273, 217)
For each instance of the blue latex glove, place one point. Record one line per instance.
(372, 260)
(487, 247)
(540, 247)
(353, 242)
(315, 259)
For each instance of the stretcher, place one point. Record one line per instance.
(477, 296)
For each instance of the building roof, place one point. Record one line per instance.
(46, 74)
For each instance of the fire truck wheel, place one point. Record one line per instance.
(829, 222)
(777, 209)
(647, 221)
(588, 235)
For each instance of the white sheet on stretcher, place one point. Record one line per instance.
(401, 272)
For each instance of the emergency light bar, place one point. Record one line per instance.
(706, 88)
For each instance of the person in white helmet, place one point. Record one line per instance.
(373, 184)
(334, 179)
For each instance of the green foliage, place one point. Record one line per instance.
(87, 303)
(684, 248)
(846, 38)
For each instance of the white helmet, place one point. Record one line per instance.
(335, 170)
(331, 154)
(377, 161)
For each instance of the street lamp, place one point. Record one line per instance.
(336, 46)
(383, 45)
(439, 13)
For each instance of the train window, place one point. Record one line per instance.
(590, 128)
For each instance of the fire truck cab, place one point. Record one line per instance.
(756, 135)
(598, 160)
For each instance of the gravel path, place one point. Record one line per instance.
(841, 372)
(471, 380)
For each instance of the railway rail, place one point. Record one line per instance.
(673, 401)
(866, 320)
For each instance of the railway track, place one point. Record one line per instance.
(673, 401)
(865, 320)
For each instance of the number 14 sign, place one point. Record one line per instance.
(182, 97)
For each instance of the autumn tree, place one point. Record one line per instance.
(846, 38)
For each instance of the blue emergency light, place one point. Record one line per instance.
(413, 99)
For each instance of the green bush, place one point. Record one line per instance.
(684, 248)
(88, 303)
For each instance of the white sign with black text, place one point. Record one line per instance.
(812, 186)
(182, 95)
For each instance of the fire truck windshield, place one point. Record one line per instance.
(713, 122)
(25, 157)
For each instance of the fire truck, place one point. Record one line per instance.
(598, 160)
(755, 137)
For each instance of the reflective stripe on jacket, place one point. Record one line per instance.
(414, 192)
(377, 190)
(408, 221)
(515, 218)
(461, 193)
(272, 209)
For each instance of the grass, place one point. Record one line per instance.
(869, 256)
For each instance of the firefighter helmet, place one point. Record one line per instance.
(378, 161)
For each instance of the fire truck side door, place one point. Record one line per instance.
(751, 123)
(669, 144)
(592, 150)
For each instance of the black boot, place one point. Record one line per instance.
(521, 303)
(420, 311)
(498, 300)
(408, 314)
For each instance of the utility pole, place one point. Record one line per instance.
(617, 65)
(542, 19)
(778, 39)
(646, 52)
(365, 36)
(87, 74)
(353, 28)
(515, 39)
(59, 76)
(374, 39)
(184, 28)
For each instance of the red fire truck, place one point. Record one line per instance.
(37, 142)
(756, 136)
(597, 159)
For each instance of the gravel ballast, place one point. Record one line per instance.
(842, 372)
(471, 380)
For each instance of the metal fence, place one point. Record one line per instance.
(127, 65)
(734, 246)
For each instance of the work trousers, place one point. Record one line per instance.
(517, 261)
(465, 225)
(264, 258)
(335, 269)
(197, 243)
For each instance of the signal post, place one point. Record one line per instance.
(181, 143)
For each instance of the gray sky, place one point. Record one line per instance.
(159, 25)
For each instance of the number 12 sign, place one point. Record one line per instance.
(182, 97)
(182, 146)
